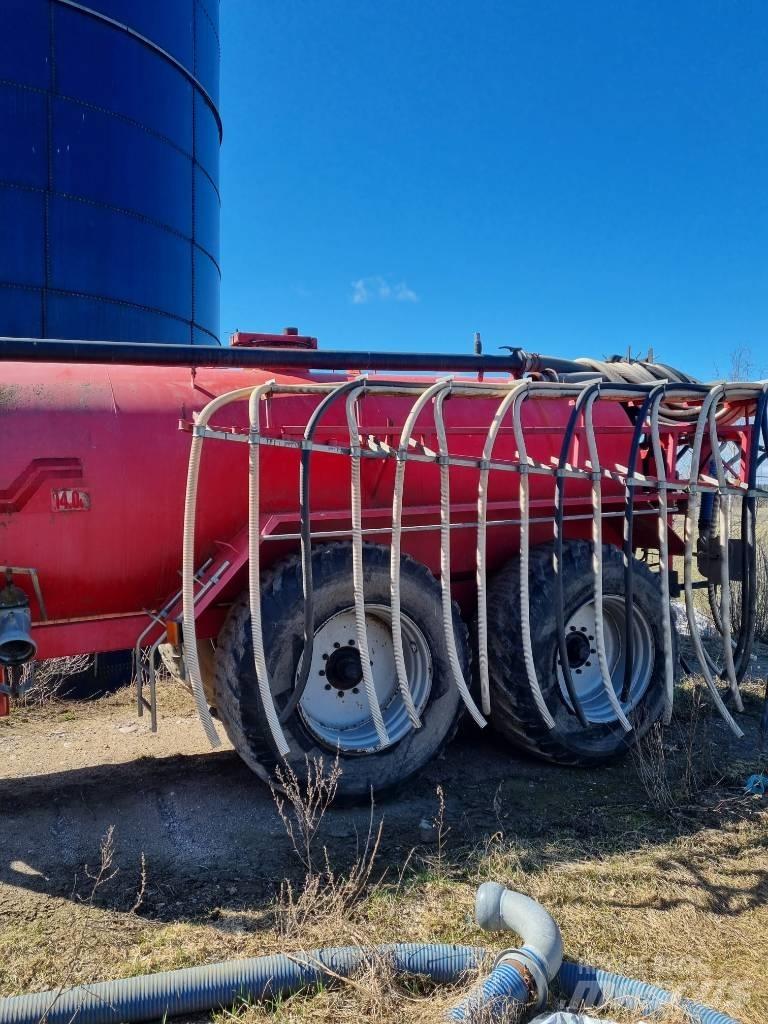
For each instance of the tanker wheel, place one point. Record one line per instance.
(333, 715)
(514, 713)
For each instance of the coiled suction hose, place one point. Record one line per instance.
(589, 986)
(518, 982)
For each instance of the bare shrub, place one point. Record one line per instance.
(39, 681)
(761, 605)
(436, 861)
(675, 762)
(325, 894)
(328, 895)
(308, 799)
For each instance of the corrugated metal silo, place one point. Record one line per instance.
(109, 170)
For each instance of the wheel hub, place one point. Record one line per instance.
(343, 669)
(335, 707)
(577, 646)
(580, 632)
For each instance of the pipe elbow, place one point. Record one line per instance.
(500, 909)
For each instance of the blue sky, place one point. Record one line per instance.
(572, 177)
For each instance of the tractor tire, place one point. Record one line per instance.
(333, 716)
(514, 713)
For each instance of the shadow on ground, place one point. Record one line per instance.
(211, 837)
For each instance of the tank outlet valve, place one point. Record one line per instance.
(16, 644)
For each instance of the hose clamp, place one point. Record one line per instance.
(533, 971)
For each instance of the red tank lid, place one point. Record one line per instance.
(290, 338)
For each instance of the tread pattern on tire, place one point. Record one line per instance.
(514, 713)
(254, 744)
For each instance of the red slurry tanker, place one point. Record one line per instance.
(520, 516)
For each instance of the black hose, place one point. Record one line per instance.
(665, 387)
(151, 354)
(745, 639)
(629, 522)
(640, 390)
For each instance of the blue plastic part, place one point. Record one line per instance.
(109, 173)
(589, 986)
(757, 784)
(502, 996)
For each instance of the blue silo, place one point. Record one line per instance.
(109, 170)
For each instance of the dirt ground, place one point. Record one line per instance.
(668, 888)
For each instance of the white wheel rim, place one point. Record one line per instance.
(585, 670)
(335, 709)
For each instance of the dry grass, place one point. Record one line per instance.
(39, 682)
(325, 894)
(689, 913)
(677, 898)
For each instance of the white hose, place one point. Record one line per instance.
(254, 580)
(445, 561)
(481, 568)
(525, 597)
(661, 476)
(395, 548)
(692, 512)
(597, 564)
(357, 569)
(188, 563)
(725, 533)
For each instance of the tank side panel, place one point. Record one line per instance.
(94, 475)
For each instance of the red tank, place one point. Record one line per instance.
(94, 460)
(357, 651)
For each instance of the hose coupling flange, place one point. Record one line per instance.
(533, 971)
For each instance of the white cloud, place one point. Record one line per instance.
(405, 294)
(360, 292)
(378, 289)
